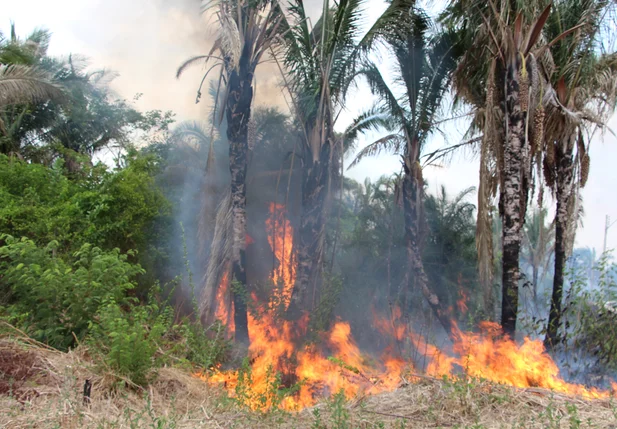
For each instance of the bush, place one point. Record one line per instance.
(127, 341)
(121, 209)
(590, 316)
(54, 300)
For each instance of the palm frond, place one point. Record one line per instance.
(193, 61)
(392, 143)
(379, 87)
(26, 84)
(371, 120)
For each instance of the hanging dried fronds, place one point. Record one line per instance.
(583, 160)
(218, 262)
(484, 230)
(575, 217)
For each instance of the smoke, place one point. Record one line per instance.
(145, 41)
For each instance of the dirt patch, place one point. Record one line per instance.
(19, 372)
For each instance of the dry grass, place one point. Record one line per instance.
(47, 385)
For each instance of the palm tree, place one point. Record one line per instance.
(22, 80)
(586, 81)
(320, 64)
(423, 69)
(449, 253)
(506, 86)
(247, 30)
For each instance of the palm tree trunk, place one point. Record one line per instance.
(564, 182)
(315, 178)
(411, 202)
(534, 280)
(512, 201)
(238, 113)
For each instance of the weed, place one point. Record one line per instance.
(573, 418)
(339, 412)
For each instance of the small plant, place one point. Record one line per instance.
(573, 418)
(323, 314)
(552, 415)
(128, 341)
(317, 423)
(590, 319)
(339, 414)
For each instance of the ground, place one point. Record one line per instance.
(43, 388)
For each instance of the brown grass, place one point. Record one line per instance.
(47, 391)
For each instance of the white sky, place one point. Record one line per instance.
(145, 41)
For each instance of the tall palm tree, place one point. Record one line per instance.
(585, 77)
(422, 73)
(320, 63)
(247, 30)
(506, 85)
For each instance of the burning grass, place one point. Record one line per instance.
(285, 373)
(178, 400)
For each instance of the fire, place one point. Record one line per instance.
(501, 360)
(284, 372)
(280, 237)
(461, 303)
(336, 365)
(225, 305)
(272, 349)
(490, 356)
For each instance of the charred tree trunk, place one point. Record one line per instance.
(418, 279)
(238, 113)
(564, 181)
(309, 250)
(512, 200)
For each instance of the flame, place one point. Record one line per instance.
(336, 364)
(272, 349)
(225, 305)
(489, 355)
(280, 237)
(339, 365)
(461, 303)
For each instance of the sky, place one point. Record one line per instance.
(145, 41)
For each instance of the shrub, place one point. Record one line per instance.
(127, 341)
(53, 300)
(591, 318)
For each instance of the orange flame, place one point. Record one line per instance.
(490, 356)
(225, 305)
(483, 355)
(280, 237)
(272, 349)
(461, 303)
(337, 363)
